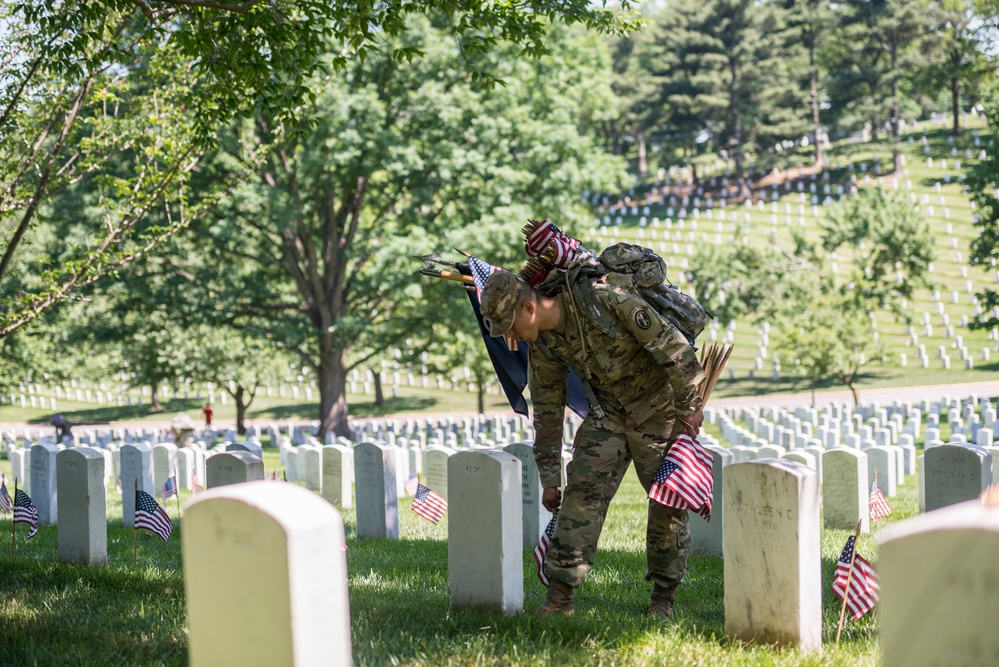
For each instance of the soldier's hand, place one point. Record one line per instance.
(551, 498)
(692, 423)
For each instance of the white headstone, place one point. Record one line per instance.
(233, 468)
(845, 491)
(265, 575)
(164, 465)
(375, 491)
(43, 482)
(772, 544)
(485, 531)
(951, 584)
(535, 516)
(136, 468)
(706, 537)
(954, 474)
(436, 469)
(338, 475)
(83, 529)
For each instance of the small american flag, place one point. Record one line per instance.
(864, 590)
(879, 507)
(684, 480)
(170, 488)
(25, 512)
(150, 516)
(480, 274)
(541, 551)
(428, 504)
(5, 502)
(196, 485)
(119, 485)
(411, 485)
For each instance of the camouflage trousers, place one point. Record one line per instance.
(602, 450)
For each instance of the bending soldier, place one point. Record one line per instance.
(641, 377)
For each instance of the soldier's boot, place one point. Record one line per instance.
(661, 606)
(559, 599)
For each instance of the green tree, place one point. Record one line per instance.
(232, 359)
(959, 61)
(756, 97)
(396, 158)
(982, 181)
(151, 84)
(881, 47)
(893, 248)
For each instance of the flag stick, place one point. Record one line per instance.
(135, 531)
(176, 480)
(849, 576)
(13, 524)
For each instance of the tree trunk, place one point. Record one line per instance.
(955, 101)
(694, 178)
(853, 390)
(733, 114)
(615, 141)
(480, 390)
(154, 402)
(379, 394)
(241, 405)
(815, 107)
(895, 112)
(643, 163)
(332, 376)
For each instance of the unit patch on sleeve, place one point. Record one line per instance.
(642, 319)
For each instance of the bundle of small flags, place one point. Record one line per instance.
(879, 507)
(541, 551)
(864, 590)
(685, 480)
(428, 504)
(25, 512)
(150, 516)
(5, 501)
(170, 488)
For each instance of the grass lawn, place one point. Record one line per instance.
(52, 613)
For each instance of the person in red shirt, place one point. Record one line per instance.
(208, 415)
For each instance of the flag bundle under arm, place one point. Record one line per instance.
(541, 551)
(864, 590)
(428, 504)
(150, 516)
(170, 488)
(684, 480)
(25, 512)
(879, 507)
(5, 502)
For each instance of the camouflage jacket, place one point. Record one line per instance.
(642, 367)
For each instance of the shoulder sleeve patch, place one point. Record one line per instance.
(642, 319)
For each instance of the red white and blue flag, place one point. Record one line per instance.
(879, 507)
(5, 501)
(170, 488)
(150, 516)
(25, 512)
(684, 480)
(428, 504)
(480, 274)
(541, 551)
(196, 485)
(411, 485)
(864, 590)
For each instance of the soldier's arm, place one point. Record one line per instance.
(665, 343)
(546, 378)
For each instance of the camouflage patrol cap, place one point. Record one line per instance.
(500, 298)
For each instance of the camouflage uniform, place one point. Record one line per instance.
(643, 374)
